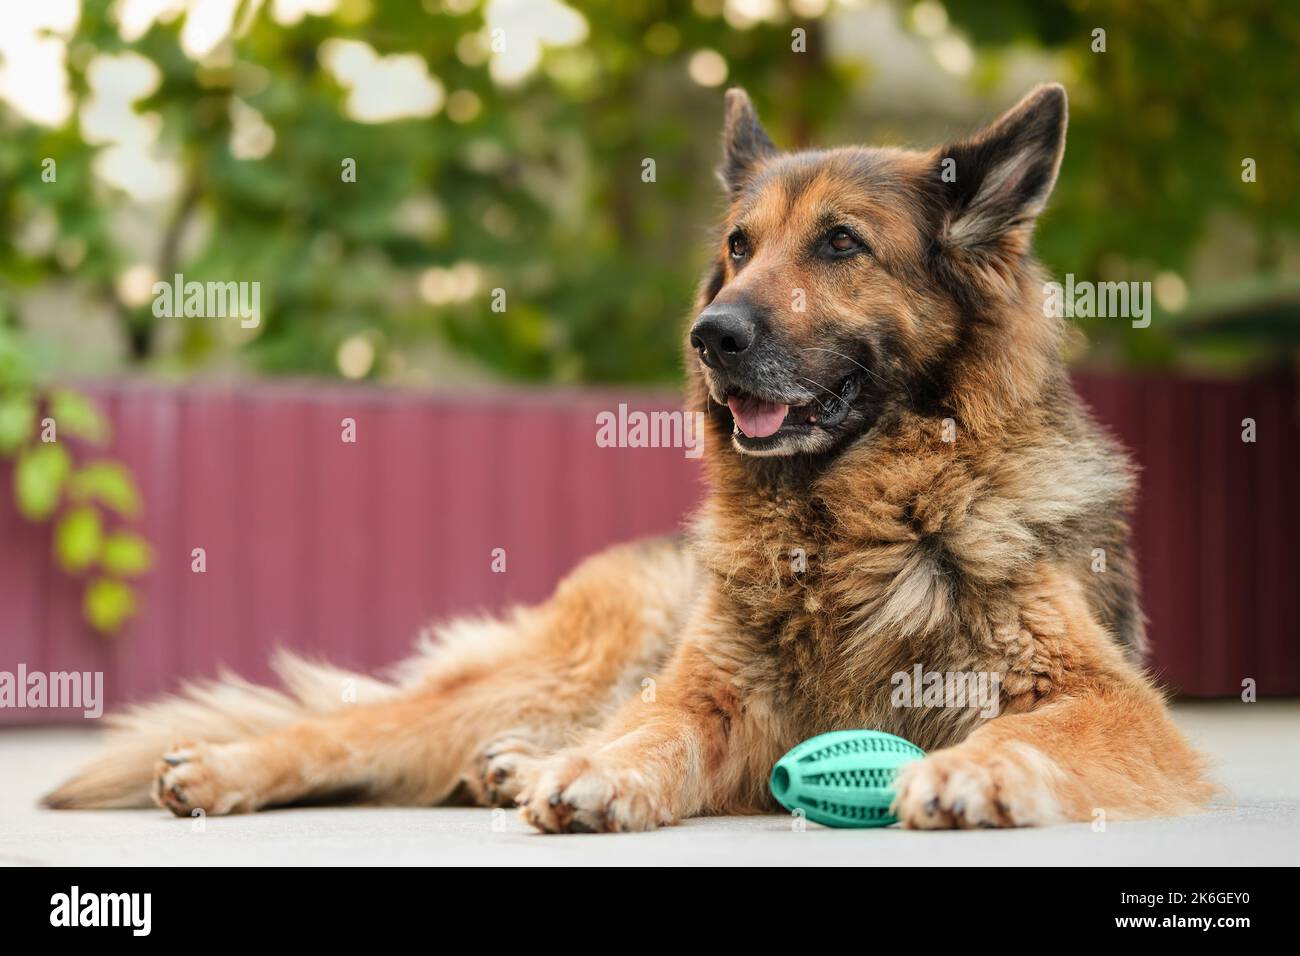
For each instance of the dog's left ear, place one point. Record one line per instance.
(994, 185)
(745, 144)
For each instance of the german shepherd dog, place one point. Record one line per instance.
(900, 476)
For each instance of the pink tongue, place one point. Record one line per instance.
(757, 419)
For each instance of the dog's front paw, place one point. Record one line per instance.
(577, 794)
(203, 777)
(968, 786)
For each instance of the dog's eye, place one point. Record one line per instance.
(841, 241)
(738, 245)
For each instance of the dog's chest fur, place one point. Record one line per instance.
(908, 550)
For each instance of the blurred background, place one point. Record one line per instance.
(388, 170)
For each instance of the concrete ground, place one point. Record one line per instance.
(1256, 748)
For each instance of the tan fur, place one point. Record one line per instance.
(219, 711)
(480, 699)
(662, 680)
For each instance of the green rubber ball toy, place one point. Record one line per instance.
(844, 778)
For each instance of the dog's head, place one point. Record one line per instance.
(853, 279)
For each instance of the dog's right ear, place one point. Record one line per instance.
(744, 142)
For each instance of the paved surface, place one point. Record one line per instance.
(1256, 747)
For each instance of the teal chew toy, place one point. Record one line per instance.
(844, 778)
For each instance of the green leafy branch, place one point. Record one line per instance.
(90, 504)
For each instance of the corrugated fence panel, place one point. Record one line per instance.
(1276, 520)
(406, 524)
(344, 502)
(344, 550)
(147, 433)
(1275, 569)
(24, 569)
(278, 550)
(210, 573)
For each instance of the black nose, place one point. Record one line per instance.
(722, 333)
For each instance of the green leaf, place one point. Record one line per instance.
(17, 417)
(39, 476)
(126, 554)
(108, 604)
(76, 415)
(78, 539)
(16, 365)
(110, 484)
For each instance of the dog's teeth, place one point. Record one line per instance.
(735, 429)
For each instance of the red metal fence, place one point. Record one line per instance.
(346, 550)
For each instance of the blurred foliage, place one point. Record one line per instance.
(540, 190)
(1160, 124)
(48, 431)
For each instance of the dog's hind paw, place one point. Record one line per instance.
(201, 777)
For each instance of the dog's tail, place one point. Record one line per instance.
(228, 708)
